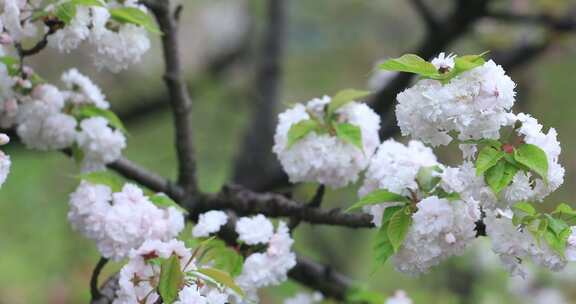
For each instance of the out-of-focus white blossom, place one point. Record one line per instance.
(475, 104)
(399, 297)
(4, 160)
(209, 222)
(15, 19)
(514, 245)
(324, 158)
(379, 78)
(305, 298)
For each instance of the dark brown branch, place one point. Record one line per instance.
(322, 278)
(180, 99)
(247, 202)
(147, 178)
(255, 153)
(94, 288)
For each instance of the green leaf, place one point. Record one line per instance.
(171, 279)
(66, 12)
(224, 258)
(557, 241)
(12, 64)
(487, 158)
(135, 16)
(410, 63)
(163, 201)
(378, 197)
(525, 208)
(398, 227)
(383, 249)
(566, 213)
(349, 133)
(499, 176)
(556, 225)
(222, 278)
(299, 130)
(88, 111)
(388, 213)
(344, 97)
(427, 178)
(468, 62)
(104, 178)
(534, 158)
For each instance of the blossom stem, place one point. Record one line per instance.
(94, 288)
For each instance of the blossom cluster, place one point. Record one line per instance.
(48, 118)
(260, 269)
(140, 277)
(325, 157)
(426, 211)
(116, 31)
(121, 221)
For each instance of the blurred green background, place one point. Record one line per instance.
(331, 44)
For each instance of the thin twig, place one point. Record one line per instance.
(94, 287)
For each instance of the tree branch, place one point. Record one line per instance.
(255, 153)
(247, 202)
(180, 99)
(147, 178)
(322, 278)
